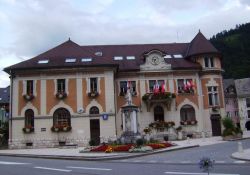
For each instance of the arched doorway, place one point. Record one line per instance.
(94, 126)
(158, 113)
(248, 125)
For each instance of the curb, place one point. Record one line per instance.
(239, 158)
(95, 158)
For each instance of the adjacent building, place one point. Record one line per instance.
(4, 105)
(74, 93)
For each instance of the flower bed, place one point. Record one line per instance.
(126, 148)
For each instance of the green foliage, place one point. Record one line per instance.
(228, 123)
(230, 128)
(234, 46)
(139, 142)
(92, 142)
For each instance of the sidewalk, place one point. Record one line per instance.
(245, 155)
(73, 153)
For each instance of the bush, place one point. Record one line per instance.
(228, 123)
(92, 142)
(139, 142)
(227, 132)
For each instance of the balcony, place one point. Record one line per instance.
(164, 98)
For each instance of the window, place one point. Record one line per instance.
(61, 85)
(118, 58)
(99, 53)
(156, 84)
(248, 102)
(124, 86)
(248, 113)
(86, 59)
(70, 60)
(43, 61)
(29, 119)
(213, 99)
(93, 85)
(187, 114)
(209, 62)
(178, 56)
(167, 56)
(130, 57)
(94, 110)
(61, 117)
(236, 113)
(29, 85)
(185, 86)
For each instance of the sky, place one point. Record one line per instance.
(31, 27)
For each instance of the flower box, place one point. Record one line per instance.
(93, 94)
(28, 97)
(61, 95)
(28, 129)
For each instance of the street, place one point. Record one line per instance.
(172, 163)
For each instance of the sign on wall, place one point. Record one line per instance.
(105, 116)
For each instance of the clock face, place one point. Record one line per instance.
(155, 60)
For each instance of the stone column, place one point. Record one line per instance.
(134, 123)
(123, 122)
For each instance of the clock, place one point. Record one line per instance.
(155, 60)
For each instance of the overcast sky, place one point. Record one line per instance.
(30, 27)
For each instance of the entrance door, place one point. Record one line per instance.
(158, 113)
(248, 125)
(95, 131)
(216, 125)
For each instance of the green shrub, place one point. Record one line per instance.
(139, 142)
(92, 142)
(227, 132)
(228, 123)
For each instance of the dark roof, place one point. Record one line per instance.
(69, 49)
(200, 45)
(5, 95)
(243, 87)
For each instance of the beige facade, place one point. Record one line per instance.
(81, 100)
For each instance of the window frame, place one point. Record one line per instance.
(213, 94)
(209, 62)
(60, 120)
(29, 118)
(152, 82)
(93, 85)
(180, 88)
(29, 87)
(61, 86)
(94, 110)
(123, 88)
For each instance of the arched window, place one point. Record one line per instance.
(29, 118)
(187, 113)
(94, 110)
(61, 117)
(158, 113)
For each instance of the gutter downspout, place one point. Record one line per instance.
(11, 105)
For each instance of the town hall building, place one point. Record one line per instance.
(74, 93)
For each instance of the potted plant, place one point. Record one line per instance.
(230, 132)
(28, 97)
(28, 129)
(61, 95)
(93, 94)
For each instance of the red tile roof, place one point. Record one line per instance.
(69, 49)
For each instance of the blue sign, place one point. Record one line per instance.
(105, 116)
